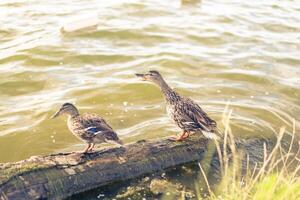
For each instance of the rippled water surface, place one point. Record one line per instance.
(242, 53)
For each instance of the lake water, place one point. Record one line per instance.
(242, 53)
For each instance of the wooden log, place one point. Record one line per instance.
(61, 175)
(58, 176)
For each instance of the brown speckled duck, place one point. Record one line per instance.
(88, 127)
(185, 112)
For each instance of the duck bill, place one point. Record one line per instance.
(141, 76)
(55, 115)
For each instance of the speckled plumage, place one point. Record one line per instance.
(187, 114)
(91, 128)
(88, 127)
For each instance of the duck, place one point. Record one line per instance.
(88, 127)
(185, 112)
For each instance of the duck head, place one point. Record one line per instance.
(66, 108)
(151, 76)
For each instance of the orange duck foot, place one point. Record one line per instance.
(183, 136)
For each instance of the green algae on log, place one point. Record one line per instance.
(58, 176)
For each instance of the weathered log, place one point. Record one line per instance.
(61, 175)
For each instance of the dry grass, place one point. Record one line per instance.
(276, 178)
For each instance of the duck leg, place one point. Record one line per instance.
(186, 135)
(91, 147)
(87, 148)
(183, 136)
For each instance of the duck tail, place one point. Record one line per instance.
(120, 142)
(211, 135)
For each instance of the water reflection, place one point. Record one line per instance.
(232, 52)
(190, 2)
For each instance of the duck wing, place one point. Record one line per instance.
(93, 125)
(192, 115)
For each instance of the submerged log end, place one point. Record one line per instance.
(61, 175)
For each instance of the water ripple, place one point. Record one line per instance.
(240, 52)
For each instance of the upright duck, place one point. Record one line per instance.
(185, 112)
(88, 127)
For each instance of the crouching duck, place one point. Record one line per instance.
(88, 127)
(185, 112)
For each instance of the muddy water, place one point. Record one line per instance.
(240, 53)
